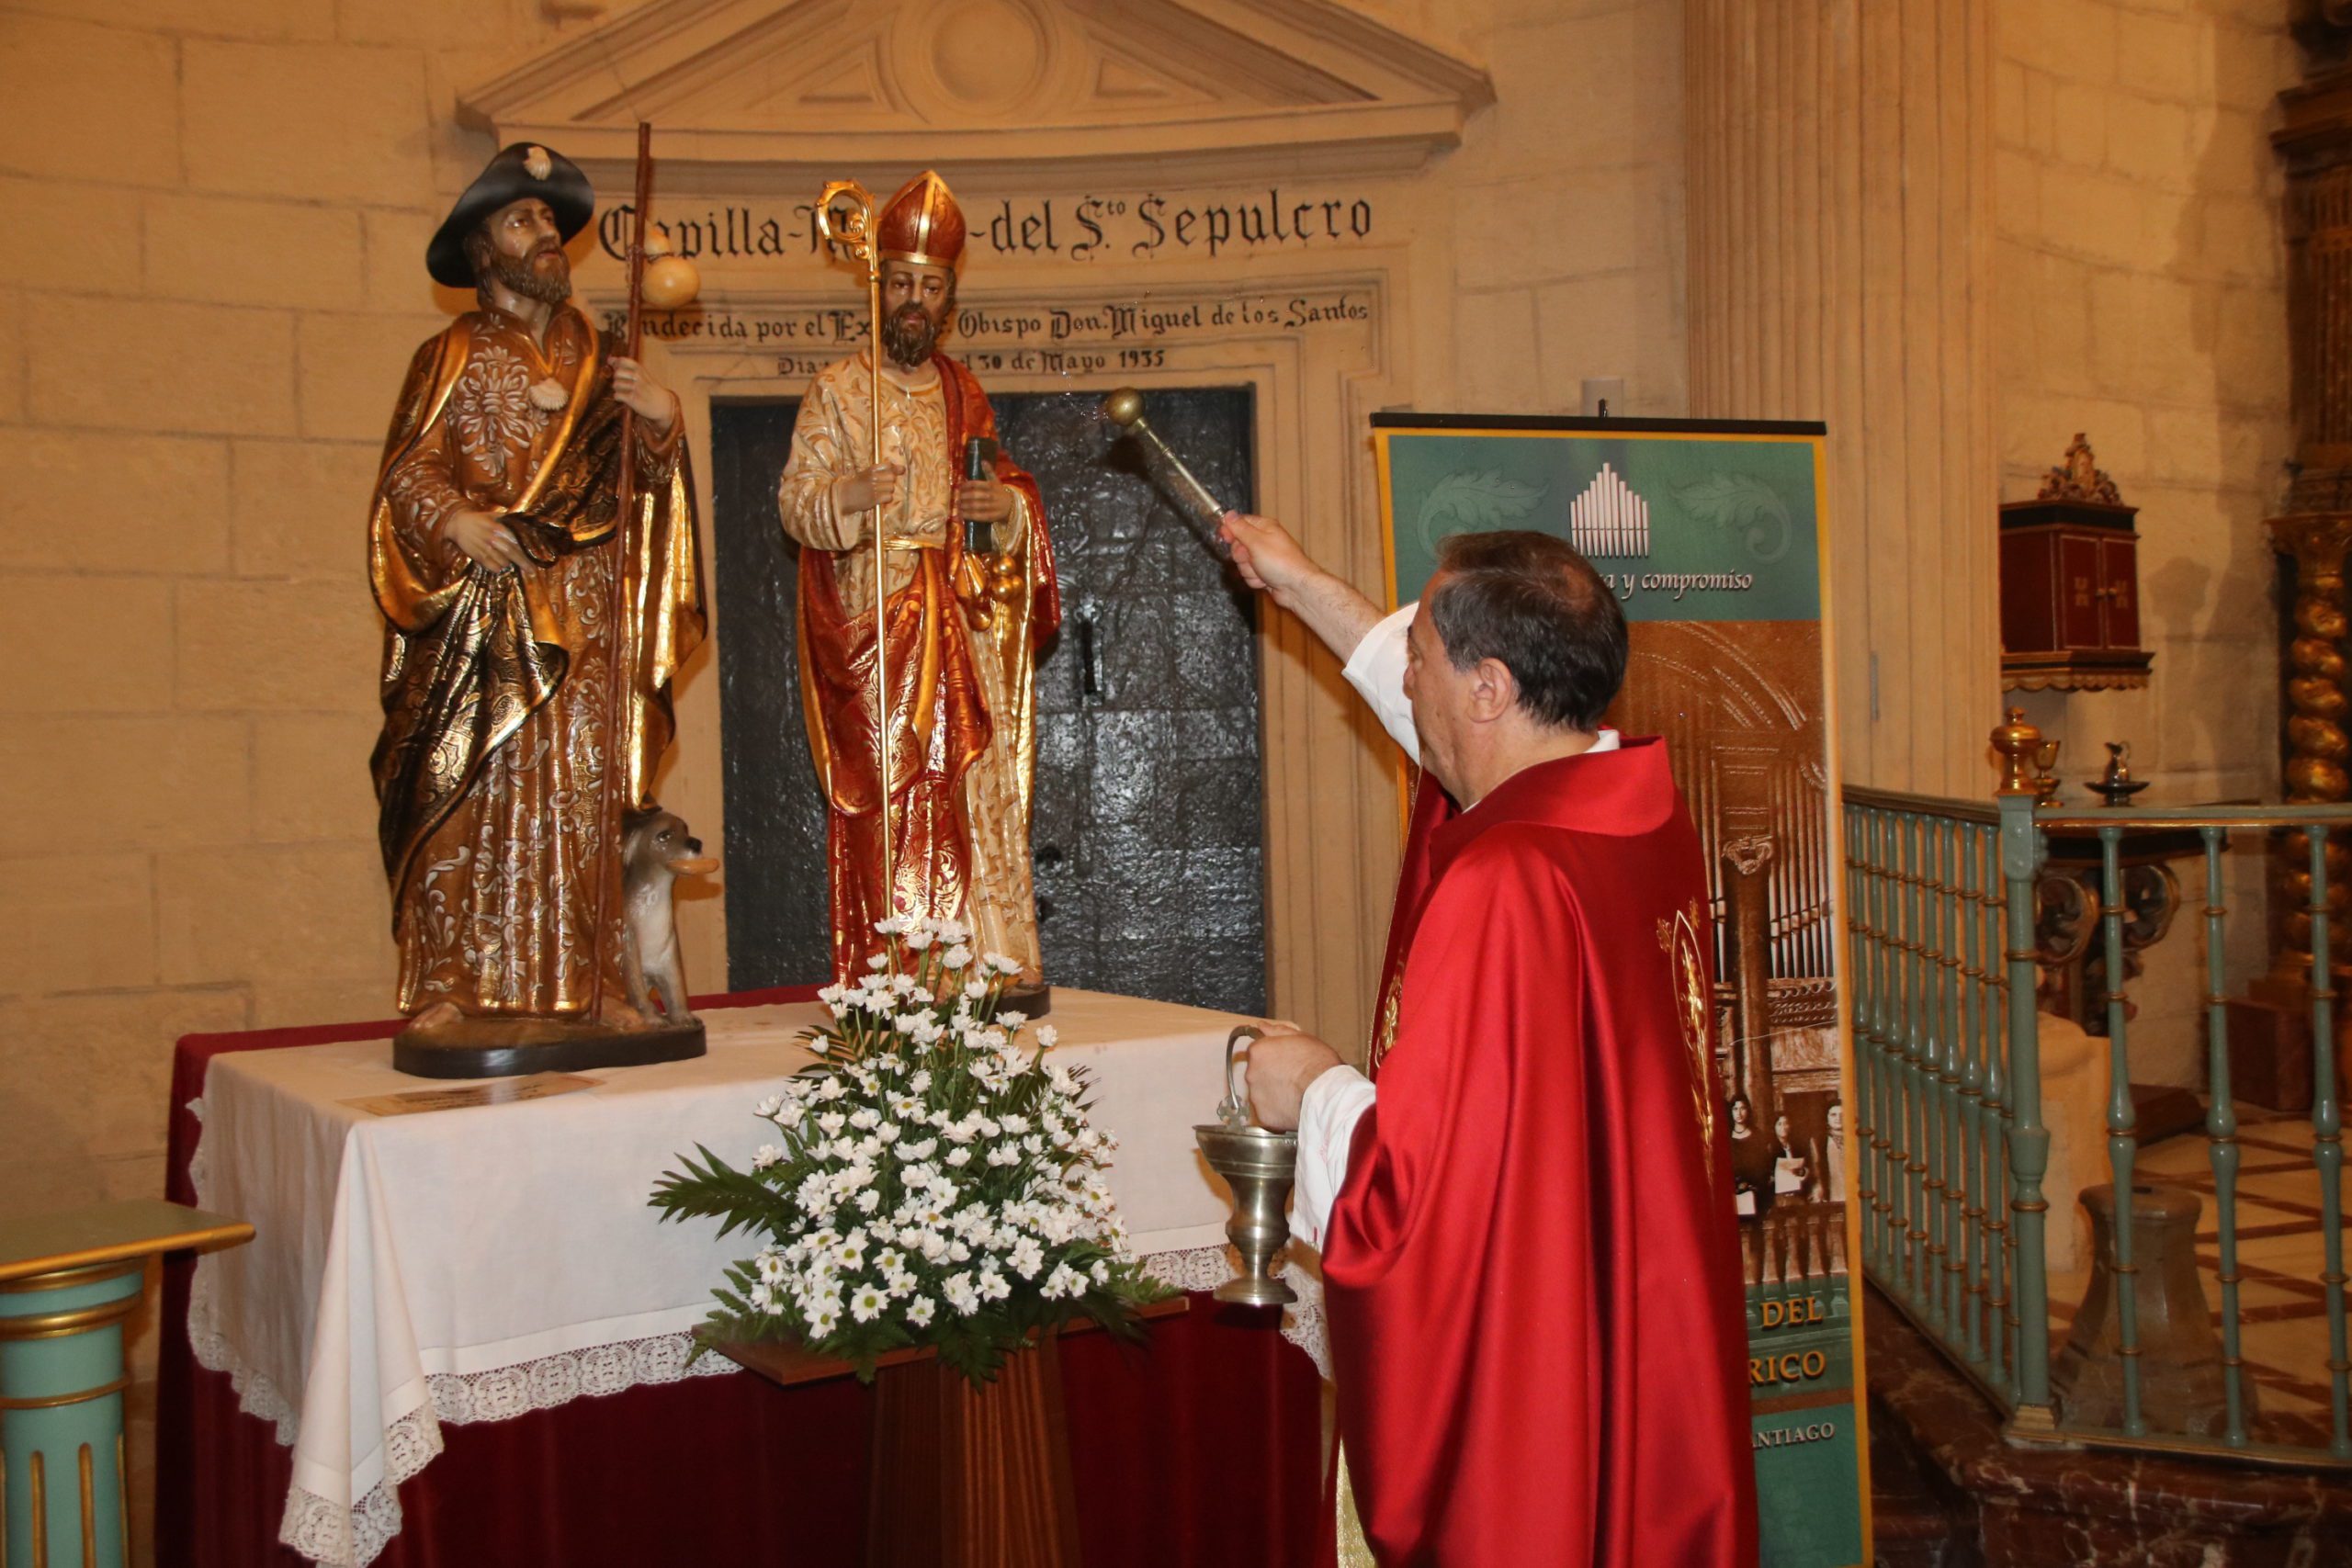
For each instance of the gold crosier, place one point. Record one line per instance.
(845, 221)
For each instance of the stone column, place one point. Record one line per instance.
(1841, 269)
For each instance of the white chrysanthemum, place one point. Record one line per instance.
(878, 962)
(918, 941)
(1026, 1257)
(1049, 1036)
(962, 1294)
(919, 1311)
(1001, 964)
(831, 1122)
(994, 1285)
(824, 1320)
(957, 957)
(765, 1156)
(959, 1158)
(868, 1304)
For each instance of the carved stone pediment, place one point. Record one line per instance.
(773, 93)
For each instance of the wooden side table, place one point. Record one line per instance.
(67, 1281)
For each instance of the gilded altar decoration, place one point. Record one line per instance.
(2078, 477)
(495, 537)
(937, 1181)
(968, 597)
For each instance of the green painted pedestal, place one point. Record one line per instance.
(67, 1283)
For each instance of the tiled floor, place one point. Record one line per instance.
(2282, 1301)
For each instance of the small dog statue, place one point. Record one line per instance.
(656, 849)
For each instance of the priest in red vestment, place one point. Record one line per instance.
(1524, 1202)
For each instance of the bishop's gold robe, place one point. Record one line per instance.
(963, 644)
(498, 732)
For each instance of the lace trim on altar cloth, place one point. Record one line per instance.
(339, 1535)
(1204, 1268)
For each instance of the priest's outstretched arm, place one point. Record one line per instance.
(1369, 643)
(1296, 1080)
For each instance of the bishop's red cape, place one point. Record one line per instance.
(1531, 1269)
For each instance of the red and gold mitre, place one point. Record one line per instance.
(922, 223)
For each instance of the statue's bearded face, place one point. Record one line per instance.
(521, 247)
(917, 301)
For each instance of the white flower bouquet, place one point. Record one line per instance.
(935, 1182)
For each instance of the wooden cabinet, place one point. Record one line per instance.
(2070, 596)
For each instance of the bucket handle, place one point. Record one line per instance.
(1233, 1108)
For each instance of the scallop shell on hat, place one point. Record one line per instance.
(538, 164)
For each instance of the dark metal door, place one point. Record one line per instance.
(1148, 835)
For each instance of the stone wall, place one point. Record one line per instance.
(2140, 299)
(210, 281)
(1568, 260)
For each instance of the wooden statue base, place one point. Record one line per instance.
(508, 1047)
(1029, 1002)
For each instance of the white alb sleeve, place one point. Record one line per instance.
(1376, 669)
(1328, 1115)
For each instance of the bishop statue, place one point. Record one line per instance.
(970, 600)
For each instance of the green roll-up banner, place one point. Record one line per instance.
(1711, 534)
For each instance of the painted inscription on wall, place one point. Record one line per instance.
(1136, 226)
(1030, 337)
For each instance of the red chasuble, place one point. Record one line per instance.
(1531, 1270)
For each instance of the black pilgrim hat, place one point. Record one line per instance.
(522, 170)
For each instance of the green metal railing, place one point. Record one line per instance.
(1952, 1150)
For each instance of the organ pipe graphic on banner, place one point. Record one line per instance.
(1608, 520)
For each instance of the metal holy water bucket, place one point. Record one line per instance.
(1258, 1165)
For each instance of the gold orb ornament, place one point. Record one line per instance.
(1124, 406)
(670, 283)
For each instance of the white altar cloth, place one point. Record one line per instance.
(476, 1263)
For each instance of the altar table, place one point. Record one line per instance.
(416, 1277)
